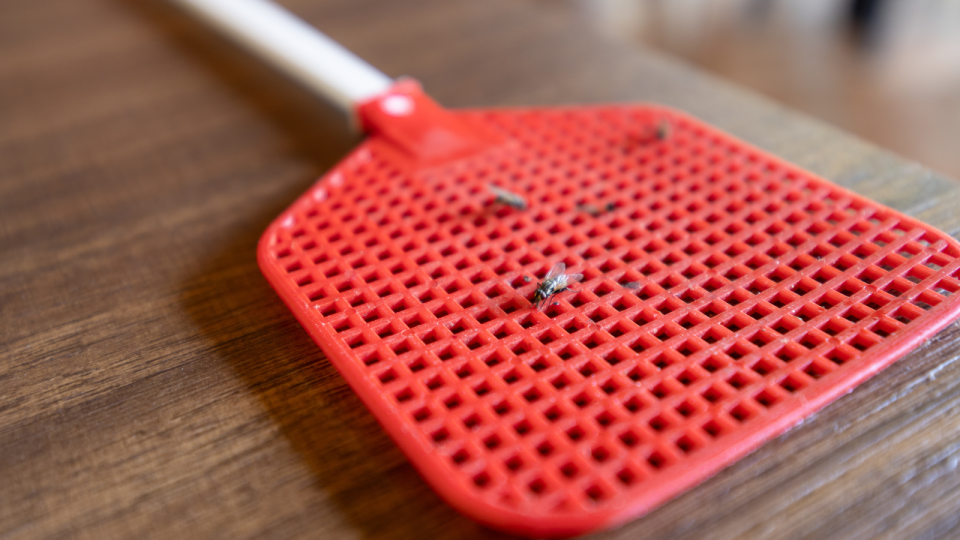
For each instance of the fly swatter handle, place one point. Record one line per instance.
(295, 48)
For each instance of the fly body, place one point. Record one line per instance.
(663, 130)
(555, 282)
(508, 198)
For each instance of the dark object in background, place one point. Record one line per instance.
(864, 17)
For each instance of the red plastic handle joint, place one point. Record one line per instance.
(419, 127)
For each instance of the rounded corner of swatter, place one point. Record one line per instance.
(565, 520)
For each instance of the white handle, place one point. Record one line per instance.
(294, 47)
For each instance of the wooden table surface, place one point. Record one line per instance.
(152, 385)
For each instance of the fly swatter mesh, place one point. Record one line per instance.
(760, 287)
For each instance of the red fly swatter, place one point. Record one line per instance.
(758, 292)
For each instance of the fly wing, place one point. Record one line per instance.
(565, 280)
(499, 193)
(557, 270)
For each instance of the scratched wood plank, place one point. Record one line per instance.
(152, 385)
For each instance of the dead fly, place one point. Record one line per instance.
(663, 130)
(653, 131)
(508, 198)
(556, 282)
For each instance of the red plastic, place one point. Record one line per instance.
(420, 128)
(765, 293)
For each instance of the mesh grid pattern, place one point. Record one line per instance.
(761, 288)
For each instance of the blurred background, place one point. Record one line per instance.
(886, 70)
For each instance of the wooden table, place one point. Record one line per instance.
(153, 386)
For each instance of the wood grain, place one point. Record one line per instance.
(153, 386)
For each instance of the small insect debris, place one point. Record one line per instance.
(664, 129)
(527, 279)
(591, 209)
(594, 210)
(555, 282)
(632, 285)
(507, 198)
